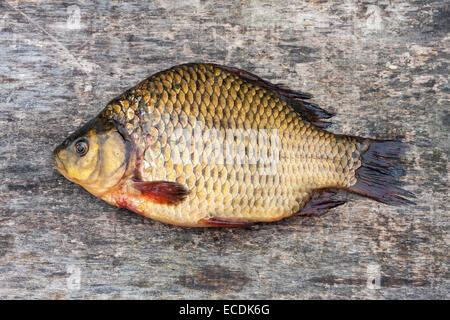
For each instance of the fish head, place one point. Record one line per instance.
(96, 156)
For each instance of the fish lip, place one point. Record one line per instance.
(57, 163)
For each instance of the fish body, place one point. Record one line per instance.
(208, 145)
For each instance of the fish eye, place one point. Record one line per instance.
(81, 147)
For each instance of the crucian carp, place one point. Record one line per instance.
(203, 145)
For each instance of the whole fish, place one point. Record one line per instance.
(207, 145)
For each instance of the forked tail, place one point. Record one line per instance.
(377, 178)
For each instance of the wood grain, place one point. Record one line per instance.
(381, 65)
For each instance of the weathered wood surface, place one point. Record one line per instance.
(383, 66)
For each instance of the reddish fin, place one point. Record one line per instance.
(320, 202)
(163, 192)
(309, 111)
(378, 174)
(122, 202)
(220, 222)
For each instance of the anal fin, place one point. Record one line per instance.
(320, 202)
(221, 222)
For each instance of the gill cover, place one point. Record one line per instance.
(96, 156)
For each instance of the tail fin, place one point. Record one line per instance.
(378, 174)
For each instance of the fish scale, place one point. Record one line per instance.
(207, 97)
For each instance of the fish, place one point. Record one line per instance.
(205, 145)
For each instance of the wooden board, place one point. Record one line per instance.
(381, 65)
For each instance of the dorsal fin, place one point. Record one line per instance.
(309, 111)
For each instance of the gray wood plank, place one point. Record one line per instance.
(381, 65)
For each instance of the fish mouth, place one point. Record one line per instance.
(57, 163)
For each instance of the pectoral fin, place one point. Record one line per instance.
(162, 192)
